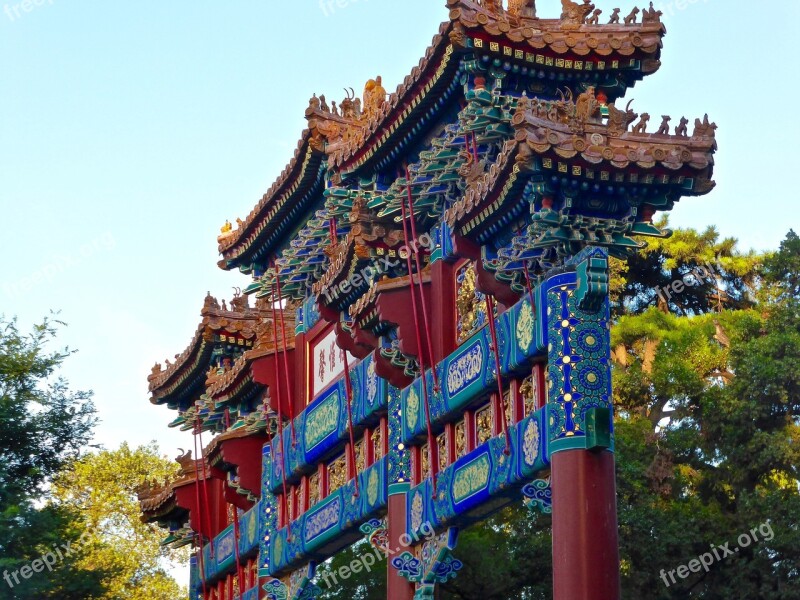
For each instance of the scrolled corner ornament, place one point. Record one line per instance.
(593, 279)
(539, 496)
(377, 534)
(276, 590)
(447, 568)
(408, 566)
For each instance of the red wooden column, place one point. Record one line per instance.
(585, 539)
(397, 588)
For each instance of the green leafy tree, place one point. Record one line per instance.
(707, 439)
(360, 584)
(102, 487)
(712, 273)
(43, 426)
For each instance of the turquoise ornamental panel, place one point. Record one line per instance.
(321, 430)
(223, 560)
(579, 367)
(267, 514)
(481, 482)
(332, 524)
(468, 375)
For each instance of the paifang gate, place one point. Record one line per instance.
(426, 336)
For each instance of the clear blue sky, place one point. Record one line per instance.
(130, 131)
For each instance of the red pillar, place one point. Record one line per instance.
(397, 588)
(585, 542)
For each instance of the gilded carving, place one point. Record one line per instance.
(528, 392)
(337, 476)
(530, 446)
(525, 327)
(471, 478)
(360, 457)
(484, 425)
(470, 315)
(313, 489)
(461, 438)
(377, 444)
(441, 443)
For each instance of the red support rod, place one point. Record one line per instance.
(431, 360)
(496, 352)
(347, 383)
(432, 448)
(236, 533)
(201, 561)
(205, 488)
(285, 356)
(280, 410)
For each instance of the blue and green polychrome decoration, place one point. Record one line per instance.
(321, 430)
(575, 341)
(578, 352)
(435, 564)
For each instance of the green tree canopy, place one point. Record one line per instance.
(102, 487)
(43, 426)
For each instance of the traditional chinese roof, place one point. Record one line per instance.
(274, 215)
(364, 139)
(184, 380)
(571, 38)
(553, 139)
(158, 501)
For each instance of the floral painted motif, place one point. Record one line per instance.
(525, 327)
(372, 383)
(530, 447)
(322, 520)
(412, 408)
(416, 511)
(372, 487)
(465, 369)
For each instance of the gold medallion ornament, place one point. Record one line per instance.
(416, 511)
(372, 487)
(412, 409)
(525, 326)
(530, 446)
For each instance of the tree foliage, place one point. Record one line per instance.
(43, 426)
(102, 487)
(69, 526)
